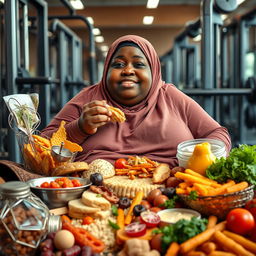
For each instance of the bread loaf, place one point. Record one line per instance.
(94, 200)
(70, 167)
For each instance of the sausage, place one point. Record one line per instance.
(86, 251)
(73, 251)
(110, 196)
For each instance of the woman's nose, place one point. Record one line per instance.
(128, 70)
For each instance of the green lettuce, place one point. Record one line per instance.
(240, 165)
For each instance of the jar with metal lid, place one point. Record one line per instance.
(24, 220)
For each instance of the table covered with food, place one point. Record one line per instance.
(134, 207)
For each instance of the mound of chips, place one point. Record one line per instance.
(37, 155)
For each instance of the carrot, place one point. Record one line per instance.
(189, 171)
(208, 247)
(246, 243)
(120, 217)
(222, 189)
(231, 245)
(221, 253)
(196, 253)
(137, 200)
(212, 220)
(65, 218)
(197, 240)
(173, 249)
(194, 179)
(237, 187)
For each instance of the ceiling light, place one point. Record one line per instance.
(99, 39)
(104, 48)
(77, 4)
(96, 31)
(240, 2)
(90, 19)
(147, 20)
(151, 4)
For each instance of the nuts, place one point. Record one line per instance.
(28, 239)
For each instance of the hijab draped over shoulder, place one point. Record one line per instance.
(153, 128)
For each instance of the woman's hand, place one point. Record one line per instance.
(94, 115)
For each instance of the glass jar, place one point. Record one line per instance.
(24, 220)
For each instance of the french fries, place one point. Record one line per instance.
(194, 181)
(141, 167)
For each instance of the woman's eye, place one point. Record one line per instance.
(117, 65)
(139, 65)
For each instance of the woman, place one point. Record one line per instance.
(158, 115)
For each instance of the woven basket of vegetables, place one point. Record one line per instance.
(218, 205)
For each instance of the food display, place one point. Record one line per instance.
(138, 207)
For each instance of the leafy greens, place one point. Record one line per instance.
(181, 231)
(239, 166)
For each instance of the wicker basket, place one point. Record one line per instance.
(219, 205)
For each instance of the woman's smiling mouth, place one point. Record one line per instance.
(128, 83)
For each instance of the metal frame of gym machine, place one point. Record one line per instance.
(17, 49)
(211, 89)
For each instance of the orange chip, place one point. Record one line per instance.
(59, 136)
(73, 147)
(32, 158)
(42, 141)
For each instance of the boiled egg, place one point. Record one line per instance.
(64, 239)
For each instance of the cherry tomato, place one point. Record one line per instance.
(67, 184)
(151, 219)
(251, 207)
(76, 183)
(136, 229)
(45, 185)
(155, 209)
(120, 163)
(54, 184)
(87, 220)
(240, 221)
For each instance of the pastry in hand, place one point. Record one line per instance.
(117, 115)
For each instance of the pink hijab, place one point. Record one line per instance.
(153, 128)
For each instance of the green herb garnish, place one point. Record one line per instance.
(170, 203)
(193, 195)
(113, 225)
(99, 195)
(114, 210)
(181, 231)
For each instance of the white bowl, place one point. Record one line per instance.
(171, 216)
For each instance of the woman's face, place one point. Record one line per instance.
(129, 76)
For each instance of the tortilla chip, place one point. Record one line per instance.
(59, 136)
(42, 141)
(73, 147)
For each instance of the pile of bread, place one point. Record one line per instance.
(90, 204)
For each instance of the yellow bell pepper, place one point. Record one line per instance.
(201, 158)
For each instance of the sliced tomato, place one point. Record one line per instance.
(151, 219)
(136, 229)
(120, 163)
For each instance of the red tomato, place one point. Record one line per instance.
(87, 220)
(54, 184)
(45, 185)
(240, 221)
(120, 163)
(251, 207)
(151, 219)
(155, 209)
(76, 183)
(136, 229)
